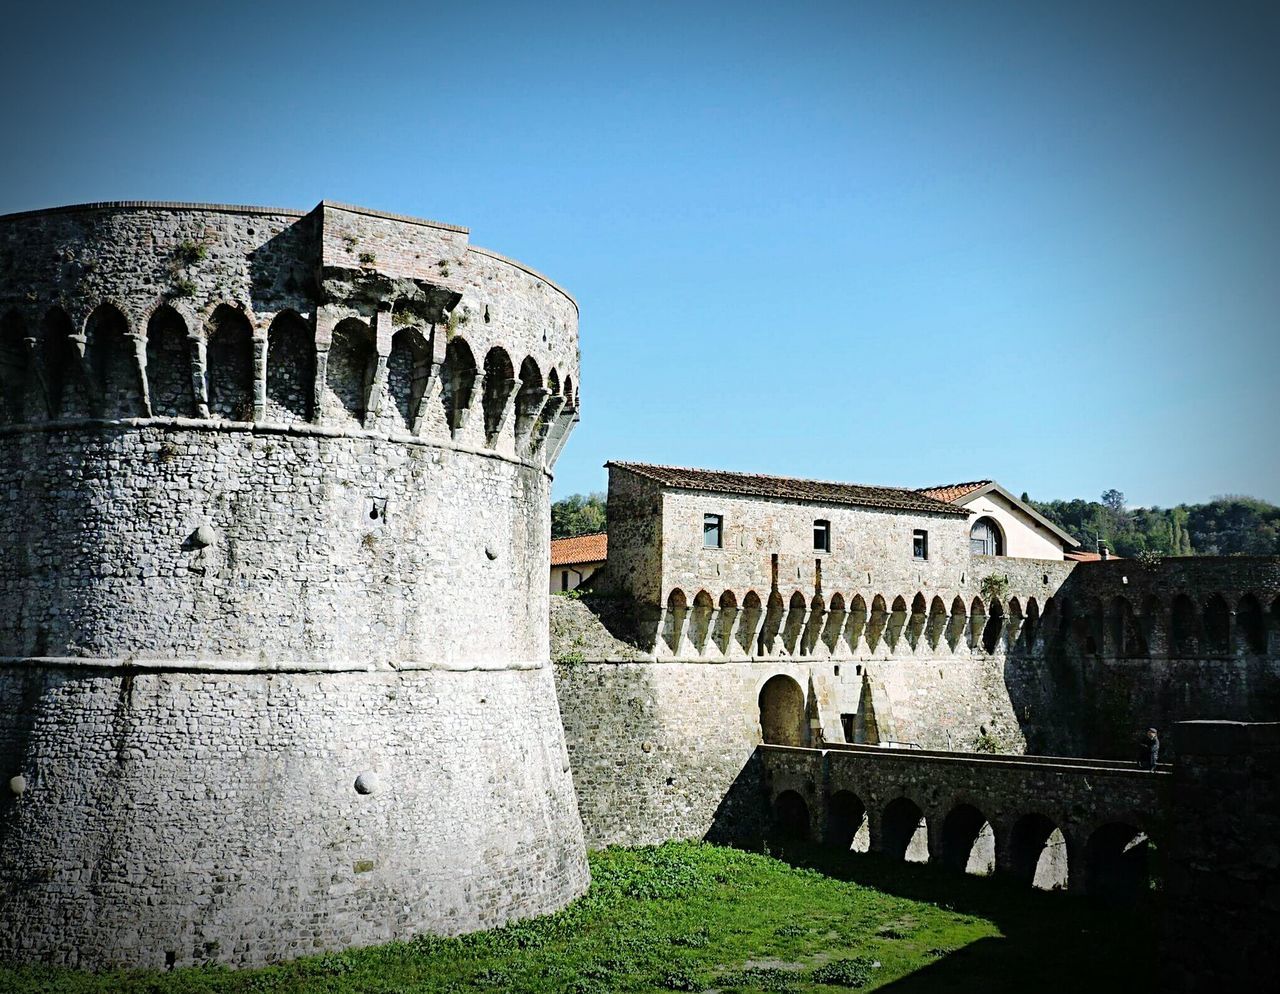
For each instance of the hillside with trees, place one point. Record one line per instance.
(1230, 525)
(578, 515)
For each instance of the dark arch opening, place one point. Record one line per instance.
(986, 537)
(835, 621)
(291, 369)
(877, 620)
(1253, 624)
(782, 719)
(458, 380)
(169, 365)
(1037, 853)
(529, 398)
(230, 365)
(408, 370)
(1217, 624)
(904, 833)
(1184, 626)
(66, 396)
(1116, 862)
(790, 817)
(994, 626)
(350, 368)
(499, 381)
(113, 363)
(968, 844)
(13, 368)
(846, 819)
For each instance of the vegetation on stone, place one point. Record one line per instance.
(696, 917)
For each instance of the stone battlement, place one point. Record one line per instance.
(346, 318)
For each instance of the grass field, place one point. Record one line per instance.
(695, 917)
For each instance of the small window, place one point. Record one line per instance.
(712, 531)
(564, 579)
(920, 543)
(822, 536)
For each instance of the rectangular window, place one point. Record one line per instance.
(822, 536)
(564, 579)
(920, 543)
(712, 531)
(846, 724)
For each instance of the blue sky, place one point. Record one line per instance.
(900, 243)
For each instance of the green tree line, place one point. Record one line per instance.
(1230, 525)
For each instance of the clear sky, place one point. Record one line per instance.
(899, 243)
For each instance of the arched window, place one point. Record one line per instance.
(985, 538)
(169, 365)
(291, 368)
(230, 365)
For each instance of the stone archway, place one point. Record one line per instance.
(782, 720)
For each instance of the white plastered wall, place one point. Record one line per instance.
(1024, 537)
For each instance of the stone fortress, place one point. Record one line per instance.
(273, 643)
(276, 674)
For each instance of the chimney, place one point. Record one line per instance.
(1102, 549)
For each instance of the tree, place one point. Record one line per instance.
(1114, 499)
(578, 515)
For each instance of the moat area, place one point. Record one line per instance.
(696, 917)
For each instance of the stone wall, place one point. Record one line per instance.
(1223, 863)
(1047, 665)
(1102, 811)
(273, 529)
(178, 817)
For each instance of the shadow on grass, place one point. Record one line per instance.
(1048, 938)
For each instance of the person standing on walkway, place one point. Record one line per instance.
(1149, 751)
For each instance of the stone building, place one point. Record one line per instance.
(765, 609)
(272, 571)
(575, 560)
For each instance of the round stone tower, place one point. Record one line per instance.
(273, 584)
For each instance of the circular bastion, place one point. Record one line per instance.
(273, 603)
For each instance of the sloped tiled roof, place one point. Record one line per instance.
(579, 549)
(1077, 556)
(789, 488)
(953, 491)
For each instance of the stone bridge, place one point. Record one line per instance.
(1079, 824)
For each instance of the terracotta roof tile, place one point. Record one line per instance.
(579, 549)
(1077, 556)
(949, 492)
(789, 488)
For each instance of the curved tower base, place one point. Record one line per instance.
(186, 817)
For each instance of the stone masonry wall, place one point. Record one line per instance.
(173, 818)
(1222, 893)
(268, 537)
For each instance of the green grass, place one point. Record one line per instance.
(694, 917)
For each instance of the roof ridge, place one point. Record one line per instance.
(767, 476)
(952, 486)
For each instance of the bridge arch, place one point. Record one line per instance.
(904, 831)
(967, 841)
(847, 827)
(1116, 862)
(782, 720)
(790, 817)
(1038, 852)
